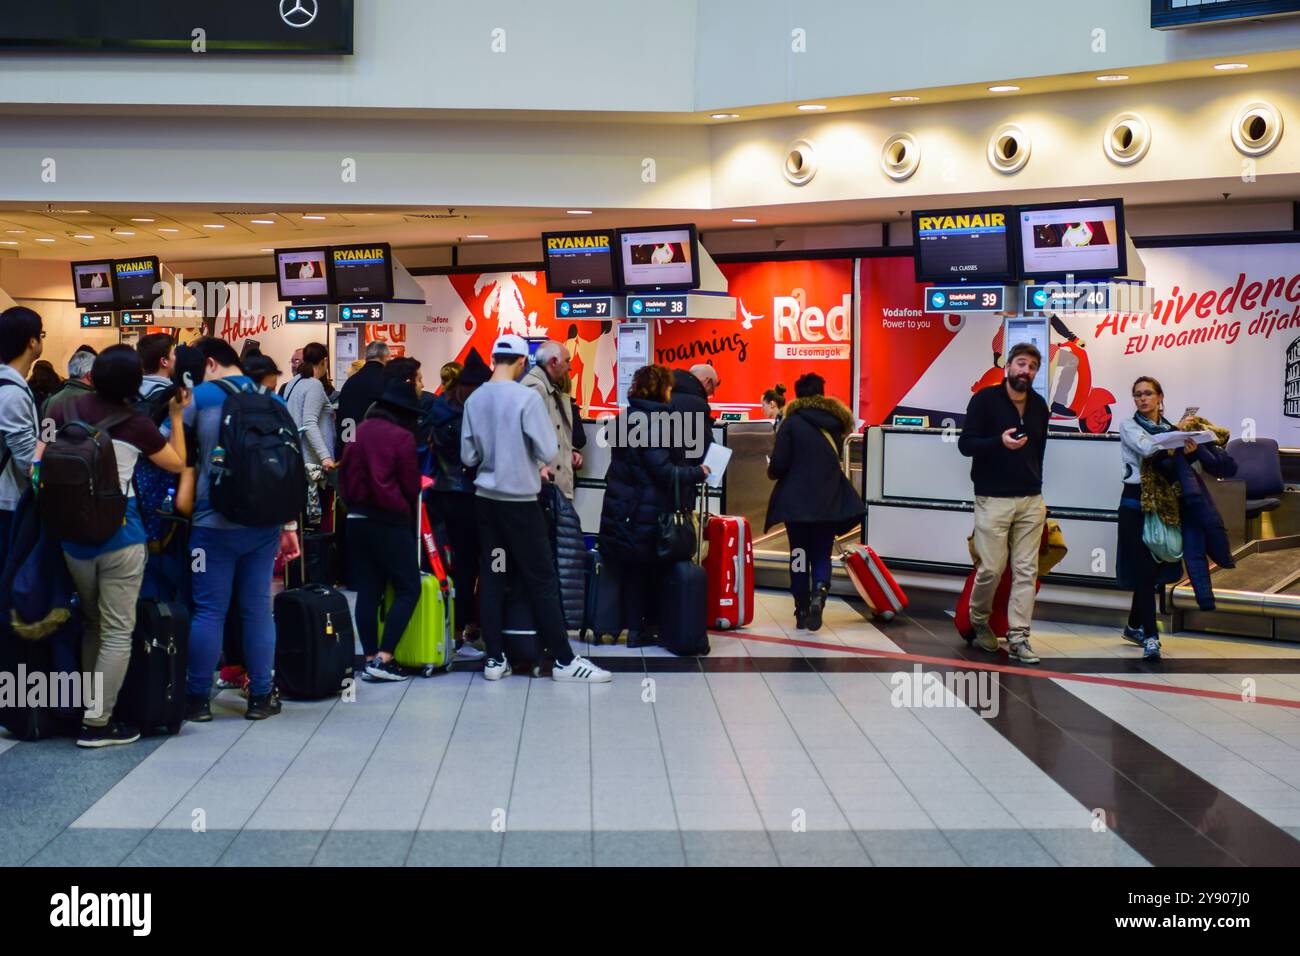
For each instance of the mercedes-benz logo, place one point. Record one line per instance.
(299, 13)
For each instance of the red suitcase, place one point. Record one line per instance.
(998, 614)
(875, 584)
(730, 567)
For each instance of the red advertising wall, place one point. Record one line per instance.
(794, 317)
(899, 341)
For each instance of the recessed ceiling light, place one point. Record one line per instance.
(1112, 77)
(744, 220)
(810, 107)
(262, 222)
(16, 232)
(1005, 88)
(476, 236)
(904, 99)
(143, 220)
(313, 217)
(725, 116)
(578, 212)
(44, 240)
(1232, 66)
(83, 236)
(123, 232)
(268, 250)
(167, 229)
(213, 225)
(8, 242)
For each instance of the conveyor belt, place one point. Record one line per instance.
(1265, 583)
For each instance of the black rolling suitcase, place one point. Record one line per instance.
(153, 694)
(54, 655)
(314, 642)
(683, 610)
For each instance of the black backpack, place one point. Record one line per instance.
(257, 477)
(79, 494)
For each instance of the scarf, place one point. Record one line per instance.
(1159, 495)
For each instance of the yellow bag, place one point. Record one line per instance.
(1050, 553)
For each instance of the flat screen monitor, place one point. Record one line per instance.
(300, 275)
(92, 285)
(362, 272)
(134, 280)
(956, 244)
(580, 261)
(1083, 239)
(659, 257)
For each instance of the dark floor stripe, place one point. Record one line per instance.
(1169, 814)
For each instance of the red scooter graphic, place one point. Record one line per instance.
(1073, 397)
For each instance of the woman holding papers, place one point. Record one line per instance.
(641, 485)
(812, 496)
(1166, 516)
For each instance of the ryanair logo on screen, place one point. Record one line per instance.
(594, 241)
(967, 220)
(126, 267)
(359, 254)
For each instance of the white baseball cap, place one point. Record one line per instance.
(510, 345)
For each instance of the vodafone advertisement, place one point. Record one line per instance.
(1224, 336)
(793, 317)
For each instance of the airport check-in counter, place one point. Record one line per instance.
(920, 510)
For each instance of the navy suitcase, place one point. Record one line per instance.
(603, 613)
(683, 614)
(153, 695)
(55, 654)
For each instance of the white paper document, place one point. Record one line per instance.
(1176, 439)
(716, 458)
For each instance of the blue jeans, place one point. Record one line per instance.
(814, 541)
(237, 561)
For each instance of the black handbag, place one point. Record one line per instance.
(676, 537)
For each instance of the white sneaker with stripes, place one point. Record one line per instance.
(581, 670)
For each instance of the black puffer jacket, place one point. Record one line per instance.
(639, 487)
(570, 553)
(688, 398)
(810, 483)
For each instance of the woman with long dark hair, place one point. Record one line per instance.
(641, 485)
(451, 500)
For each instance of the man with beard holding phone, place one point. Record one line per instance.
(1005, 436)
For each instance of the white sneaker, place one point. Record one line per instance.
(581, 670)
(468, 652)
(496, 669)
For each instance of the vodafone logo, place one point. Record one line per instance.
(806, 332)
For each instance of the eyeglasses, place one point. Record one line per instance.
(1144, 394)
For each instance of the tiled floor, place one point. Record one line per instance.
(771, 753)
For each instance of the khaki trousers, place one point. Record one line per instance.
(109, 586)
(1007, 527)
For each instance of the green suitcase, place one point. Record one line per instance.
(429, 643)
(430, 639)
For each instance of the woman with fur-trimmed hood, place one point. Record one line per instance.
(813, 498)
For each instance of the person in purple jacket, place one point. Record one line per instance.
(380, 480)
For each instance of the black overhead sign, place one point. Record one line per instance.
(1175, 14)
(172, 26)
